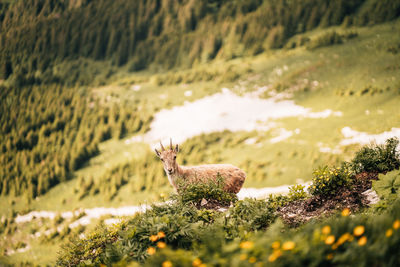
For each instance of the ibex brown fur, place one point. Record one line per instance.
(232, 177)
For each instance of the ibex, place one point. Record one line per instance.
(232, 177)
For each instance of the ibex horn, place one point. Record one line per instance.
(162, 147)
(170, 143)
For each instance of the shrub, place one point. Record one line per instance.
(377, 158)
(249, 215)
(297, 192)
(212, 191)
(328, 180)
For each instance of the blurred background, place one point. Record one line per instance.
(88, 88)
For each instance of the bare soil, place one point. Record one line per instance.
(301, 211)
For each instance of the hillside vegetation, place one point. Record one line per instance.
(49, 41)
(183, 233)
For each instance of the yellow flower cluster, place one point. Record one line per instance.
(276, 246)
(158, 236)
(246, 245)
(198, 263)
(167, 264)
(358, 231)
(396, 225)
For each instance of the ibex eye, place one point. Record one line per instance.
(174, 157)
(162, 160)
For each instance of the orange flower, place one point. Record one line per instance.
(343, 238)
(167, 264)
(160, 235)
(276, 245)
(389, 232)
(196, 263)
(359, 230)
(329, 256)
(252, 259)
(288, 245)
(276, 254)
(153, 238)
(330, 240)
(362, 241)
(151, 250)
(246, 245)
(396, 224)
(161, 244)
(326, 230)
(345, 212)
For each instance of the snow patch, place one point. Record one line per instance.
(225, 111)
(354, 137)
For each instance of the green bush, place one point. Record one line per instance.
(297, 192)
(211, 191)
(249, 215)
(327, 181)
(377, 158)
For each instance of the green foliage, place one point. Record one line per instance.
(47, 133)
(387, 188)
(329, 38)
(249, 215)
(211, 190)
(378, 158)
(361, 239)
(327, 181)
(48, 41)
(297, 192)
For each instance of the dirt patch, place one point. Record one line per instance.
(301, 211)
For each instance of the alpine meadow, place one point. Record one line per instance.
(279, 124)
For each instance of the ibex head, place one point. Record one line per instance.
(168, 157)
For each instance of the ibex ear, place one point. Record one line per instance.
(157, 153)
(176, 148)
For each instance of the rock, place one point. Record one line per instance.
(203, 202)
(371, 196)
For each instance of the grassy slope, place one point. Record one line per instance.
(354, 65)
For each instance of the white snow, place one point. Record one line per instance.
(266, 191)
(188, 93)
(354, 137)
(225, 111)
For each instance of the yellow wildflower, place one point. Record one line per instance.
(160, 235)
(288, 245)
(345, 212)
(362, 241)
(252, 259)
(276, 245)
(276, 254)
(196, 263)
(161, 244)
(335, 246)
(389, 232)
(246, 245)
(243, 257)
(359, 230)
(329, 256)
(203, 265)
(153, 238)
(330, 240)
(396, 224)
(343, 238)
(151, 250)
(167, 264)
(326, 230)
